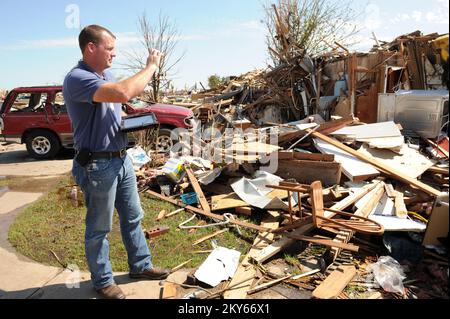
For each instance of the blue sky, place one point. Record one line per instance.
(38, 40)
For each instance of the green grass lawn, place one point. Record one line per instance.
(54, 224)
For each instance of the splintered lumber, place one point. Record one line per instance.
(268, 284)
(169, 290)
(226, 201)
(245, 274)
(351, 199)
(247, 211)
(161, 215)
(201, 240)
(392, 171)
(280, 244)
(175, 212)
(344, 236)
(202, 212)
(333, 285)
(439, 170)
(326, 242)
(306, 274)
(176, 268)
(400, 208)
(285, 241)
(313, 157)
(198, 190)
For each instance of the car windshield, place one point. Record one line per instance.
(138, 104)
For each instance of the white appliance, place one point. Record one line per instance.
(422, 111)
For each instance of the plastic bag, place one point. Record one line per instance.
(389, 274)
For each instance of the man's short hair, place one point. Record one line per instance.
(92, 33)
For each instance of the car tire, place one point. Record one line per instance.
(42, 144)
(164, 143)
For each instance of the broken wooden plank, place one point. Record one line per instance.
(245, 274)
(175, 212)
(344, 236)
(306, 274)
(268, 284)
(161, 215)
(280, 244)
(400, 208)
(284, 242)
(410, 181)
(201, 212)
(332, 126)
(176, 268)
(227, 201)
(333, 285)
(247, 211)
(306, 172)
(325, 242)
(201, 240)
(313, 157)
(198, 190)
(169, 290)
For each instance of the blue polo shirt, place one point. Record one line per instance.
(96, 126)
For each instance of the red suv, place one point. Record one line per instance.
(37, 116)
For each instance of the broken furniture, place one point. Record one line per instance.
(356, 223)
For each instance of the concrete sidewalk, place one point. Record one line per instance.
(21, 278)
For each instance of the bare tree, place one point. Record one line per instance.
(308, 27)
(163, 36)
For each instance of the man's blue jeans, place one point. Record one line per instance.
(108, 184)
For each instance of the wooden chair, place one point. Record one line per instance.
(355, 223)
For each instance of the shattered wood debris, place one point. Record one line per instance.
(352, 181)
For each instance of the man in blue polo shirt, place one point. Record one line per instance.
(101, 166)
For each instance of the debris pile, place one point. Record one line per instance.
(337, 159)
(340, 185)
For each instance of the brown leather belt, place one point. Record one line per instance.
(121, 153)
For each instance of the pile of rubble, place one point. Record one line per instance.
(337, 83)
(343, 156)
(357, 190)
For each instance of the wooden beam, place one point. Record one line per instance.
(176, 268)
(326, 242)
(285, 241)
(247, 211)
(333, 285)
(439, 170)
(268, 284)
(394, 173)
(245, 274)
(226, 201)
(201, 212)
(169, 290)
(306, 172)
(344, 236)
(201, 240)
(198, 190)
(313, 157)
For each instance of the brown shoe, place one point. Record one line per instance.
(152, 274)
(111, 292)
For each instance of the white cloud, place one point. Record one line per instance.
(123, 39)
(417, 15)
(252, 25)
(437, 14)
